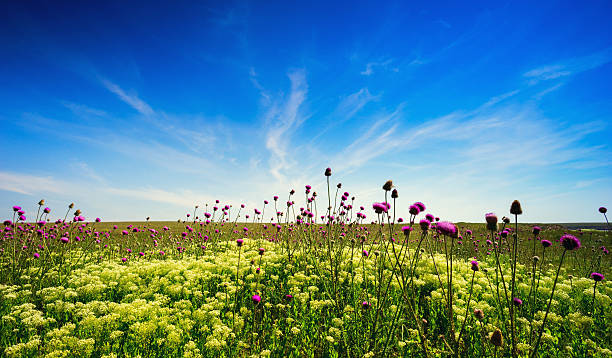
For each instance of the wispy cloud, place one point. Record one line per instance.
(28, 184)
(568, 67)
(281, 120)
(131, 99)
(382, 64)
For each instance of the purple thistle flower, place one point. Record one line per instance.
(16, 208)
(474, 265)
(546, 243)
(414, 210)
(47, 210)
(37, 255)
(65, 240)
(420, 205)
(124, 259)
(517, 301)
(424, 224)
(365, 253)
(256, 299)
(261, 251)
(406, 229)
(379, 208)
(597, 277)
(239, 242)
(570, 242)
(365, 305)
(288, 297)
(447, 228)
(536, 230)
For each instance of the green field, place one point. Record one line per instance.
(300, 288)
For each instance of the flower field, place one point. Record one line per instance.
(329, 282)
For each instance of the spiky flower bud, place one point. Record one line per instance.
(328, 172)
(394, 194)
(42, 202)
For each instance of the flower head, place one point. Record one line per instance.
(536, 230)
(603, 210)
(517, 301)
(328, 172)
(491, 220)
(414, 210)
(406, 229)
(424, 224)
(365, 305)
(420, 205)
(239, 242)
(447, 228)
(256, 299)
(570, 242)
(474, 265)
(546, 243)
(596, 276)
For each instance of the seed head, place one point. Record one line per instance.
(71, 206)
(42, 202)
(394, 194)
(515, 208)
(491, 220)
(478, 314)
(497, 339)
(388, 185)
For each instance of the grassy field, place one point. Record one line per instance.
(212, 286)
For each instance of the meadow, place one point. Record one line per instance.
(323, 280)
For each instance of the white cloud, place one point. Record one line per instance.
(382, 64)
(29, 184)
(281, 120)
(131, 99)
(568, 67)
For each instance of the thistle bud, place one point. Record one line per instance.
(42, 202)
(515, 208)
(394, 194)
(328, 172)
(71, 206)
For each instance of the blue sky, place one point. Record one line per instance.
(133, 111)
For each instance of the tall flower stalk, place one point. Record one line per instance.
(569, 243)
